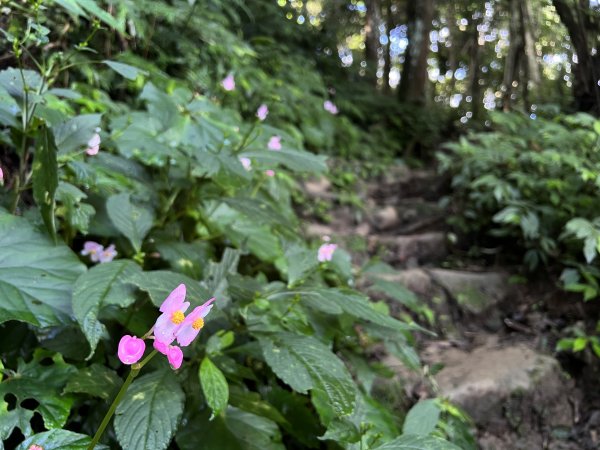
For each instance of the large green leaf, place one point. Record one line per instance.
(133, 221)
(214, 386)
(149, 414)
(75, 133)
(305, 363)
(96, 380)
(413, 442)
(235, 430)
(45, 177)
(301, 262)
(159, 284)
(125, 70)
(102, 285)
(44, 383)
(59, 440)
(295, 160)
(422, 418)
(36, 276)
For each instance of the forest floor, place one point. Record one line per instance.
(495, 338)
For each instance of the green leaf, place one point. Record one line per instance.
(304, 363)
(45, 177)
(74, 134)
(59, 440)
(256, 210)
(235, 430)
(125, 70)
(96, 380)
(214, 386)
(149, 414)
(298, 161)
(342, 430)
(44, 383)
(102, 285)
(86, 7)
(187, 258)
(412, 442)
(159, 284)
(301, 262)
(133, 221)
(422, 418)
(36, 276)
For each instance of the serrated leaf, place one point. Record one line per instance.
(45, 177)
(159, 284)
(36, 276)
(304, 363)
(422, 418)
(301, 262)
(125, 70)
(96, 380)
(150, 411)
(74, 134)
(133, 221)
(102, 285)
(214, 386)
(412, 442)
(44, 383)
(59, 440)
(295, 160)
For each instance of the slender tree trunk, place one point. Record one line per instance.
(387, 54)
(515, 49)
(587, 70)
(414, 71)
(373, 19)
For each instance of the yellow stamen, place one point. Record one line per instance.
(177, 317)
(198, 323)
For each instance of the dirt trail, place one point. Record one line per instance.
(494, 341)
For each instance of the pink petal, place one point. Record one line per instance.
(228, 83)
(93, 150)
(1, 176)
(175, 356)
(270, 173)
(262, 112)
(274, 143)
(131, 349)
(160, 347)
(35, 447)
(174, 300)
(246, 163)
(186, 335)
(325, 252)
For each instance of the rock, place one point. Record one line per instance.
(416, 280)
(411, 249)
(475, 292)
(511, 387)
(386, 218)
(318, 230)
(318, 188)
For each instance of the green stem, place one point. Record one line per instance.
(135, 370)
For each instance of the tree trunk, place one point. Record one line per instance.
(414, 70)
(515, 49)
(387, 54)
(373, 19)
(578, 21)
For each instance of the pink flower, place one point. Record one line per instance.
(228, 83)
(108, 254)
(93, 249)
(274, 143)
(172, 316)
(35, 447)
(246, 163)
(131, 349)
(193, 323)
(172, 352)
(93, 145)
(330, 107)
(326, 252)
(270, 173)
(262, 112)
(1, 177)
